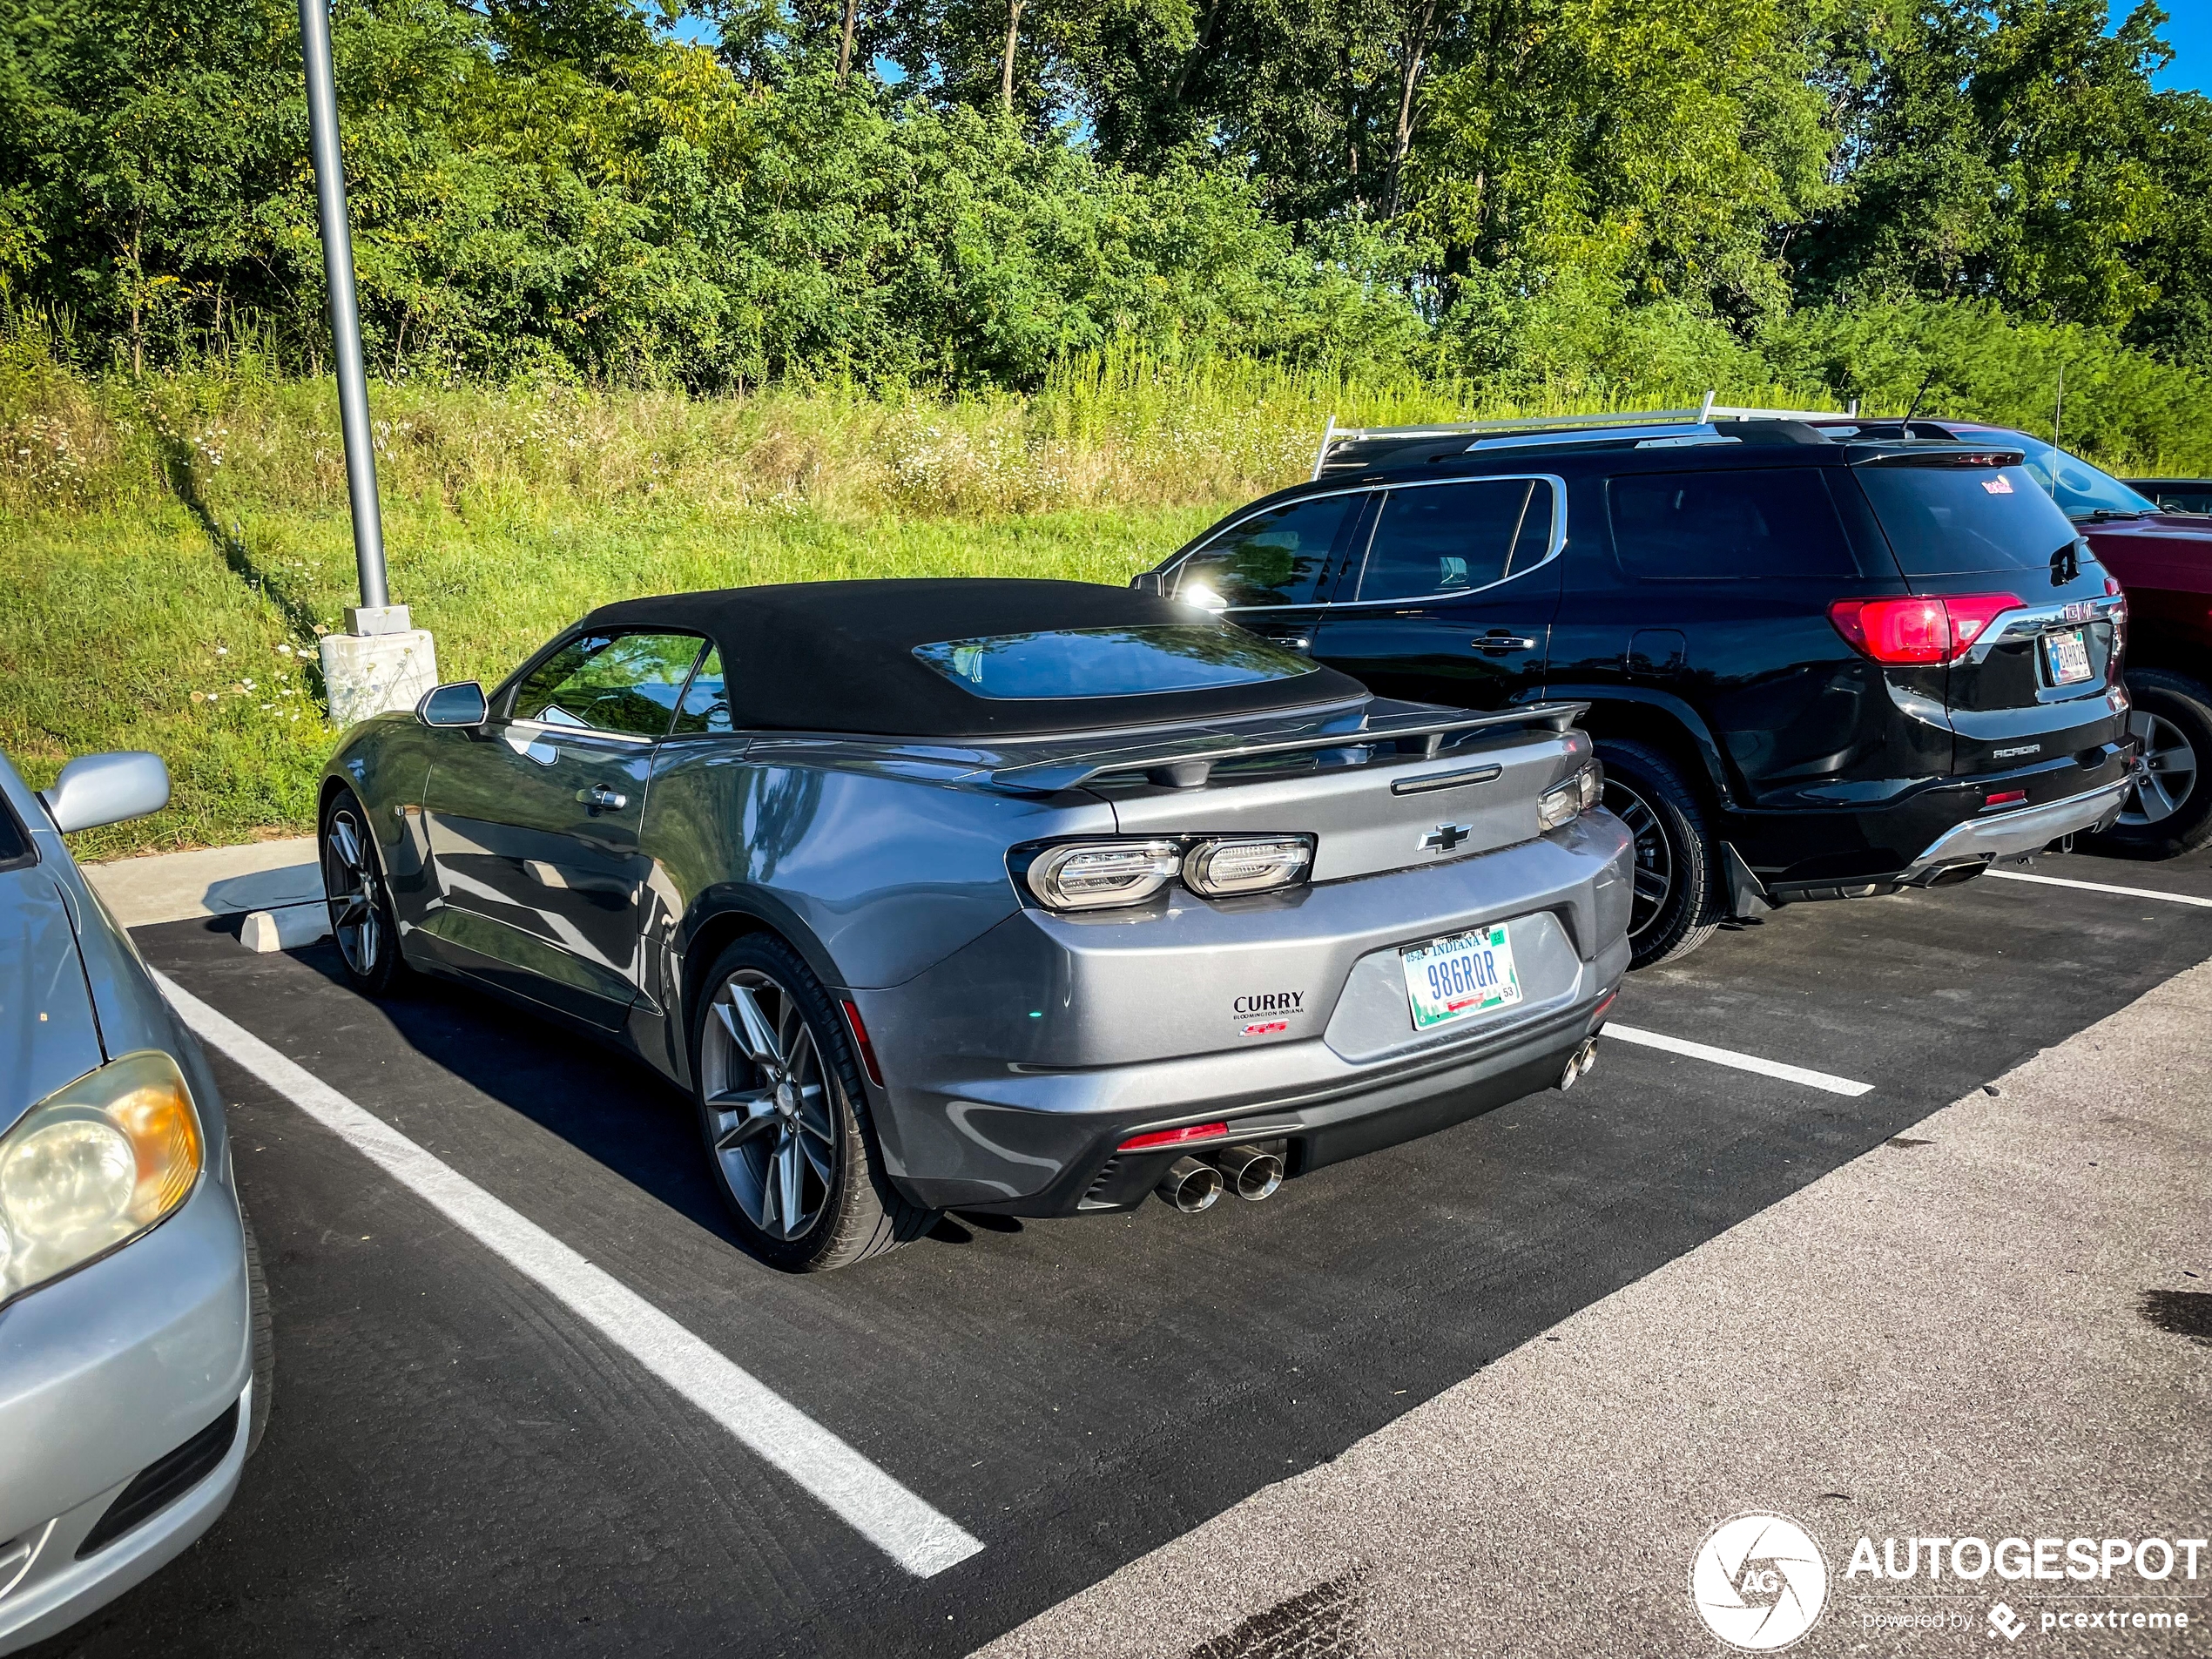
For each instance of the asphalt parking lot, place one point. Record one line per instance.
(460, 1462)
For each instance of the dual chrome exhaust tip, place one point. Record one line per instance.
(1578, 1063)
(1192, 1184)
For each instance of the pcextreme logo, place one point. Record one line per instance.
(1758, 1581)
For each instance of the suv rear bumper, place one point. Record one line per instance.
(1858, 851)
(2026, 830)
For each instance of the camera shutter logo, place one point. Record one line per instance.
(1758, 1581)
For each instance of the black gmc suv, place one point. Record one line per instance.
(1817, 668)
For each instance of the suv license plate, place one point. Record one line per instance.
(1469, 972)
(2068, 655)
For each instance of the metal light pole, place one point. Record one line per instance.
(381, 661)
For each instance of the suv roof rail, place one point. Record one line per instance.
(1700, 415)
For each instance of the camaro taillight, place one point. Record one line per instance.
(1247, 863)
(1926, 629)
(1099, 875)
(1092, 875)
(1564, 803)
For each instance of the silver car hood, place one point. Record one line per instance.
(49, 1035)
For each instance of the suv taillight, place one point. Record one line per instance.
(1918, 630)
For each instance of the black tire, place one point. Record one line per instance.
(361, 922)
(264, 1339)
(790, 1134)
(1678, 901)
(2169, 810)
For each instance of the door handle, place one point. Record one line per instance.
(1289, 639)
(1499, 640)
(602, 799)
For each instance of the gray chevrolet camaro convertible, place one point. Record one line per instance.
(1027, 897)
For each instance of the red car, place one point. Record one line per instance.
(2163, 561)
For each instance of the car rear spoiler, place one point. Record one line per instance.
(1187, 763)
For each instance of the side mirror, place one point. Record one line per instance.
(460, 703)
(95, 790)
(1150, 582)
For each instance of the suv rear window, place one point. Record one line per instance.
(1750, 525)
(1958, 521)
(1111, 661)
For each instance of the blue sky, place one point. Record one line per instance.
(2188, 31)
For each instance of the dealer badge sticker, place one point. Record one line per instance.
(1758, 1581)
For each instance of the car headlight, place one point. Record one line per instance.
(1247, 863)
(1564, 803)
(1091, 875)
(94, 1165)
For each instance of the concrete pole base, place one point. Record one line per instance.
(371, 672)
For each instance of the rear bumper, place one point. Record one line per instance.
(1018, 1066)
(1852, 852)
(2027, 829)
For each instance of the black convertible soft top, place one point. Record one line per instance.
(840, 656)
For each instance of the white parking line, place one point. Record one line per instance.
(2099, 887)
(897, 1523)
(1741, 1062)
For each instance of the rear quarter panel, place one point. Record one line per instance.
(886, 874)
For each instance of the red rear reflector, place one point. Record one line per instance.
(867, 1048)
(1917, 629)
(2006, 797)
(1176, 1137)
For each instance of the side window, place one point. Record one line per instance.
(610, 682)
(1451, 538)
(705, 707)
(1728, 526)
(1277, 558)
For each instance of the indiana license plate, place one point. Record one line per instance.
(2068, 655)
(1467, 974)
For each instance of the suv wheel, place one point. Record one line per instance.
(1677, 900)
(783, 1116)
(2169, 809)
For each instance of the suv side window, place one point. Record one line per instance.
(1277, 557)
(1453, 538)
(1737, 526)
(610, 681)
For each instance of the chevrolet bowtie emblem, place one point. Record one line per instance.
(1445, 837)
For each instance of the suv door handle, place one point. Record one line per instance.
(603, 799)
(1499, 640)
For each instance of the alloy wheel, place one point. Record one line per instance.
(349, 884)
(768, 1106)
(2165, 770)
(1655, 871)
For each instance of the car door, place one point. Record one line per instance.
(1454, 599)
(1270, 571)
(534, 817)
